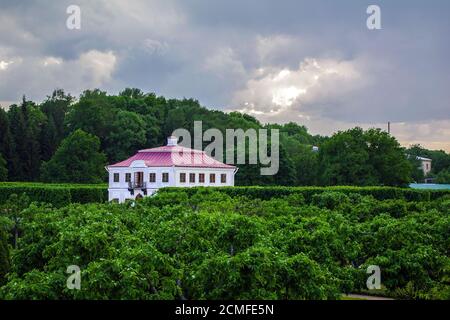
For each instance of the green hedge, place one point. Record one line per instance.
(56, 194)
(379, 193)
(64, 194)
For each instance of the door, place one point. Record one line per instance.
(139, 179)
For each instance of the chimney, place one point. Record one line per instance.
(172, 141)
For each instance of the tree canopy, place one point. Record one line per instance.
(78, 160)
(31, 133)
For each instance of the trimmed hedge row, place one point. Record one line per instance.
(64, 194)
(265, 193)
(57, 194)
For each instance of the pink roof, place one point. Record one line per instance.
(168, 156)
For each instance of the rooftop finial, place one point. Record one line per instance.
(172, 141)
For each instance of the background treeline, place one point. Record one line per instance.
(68, 140)
(212, 245)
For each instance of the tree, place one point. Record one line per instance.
(13, 211)
(443, 177)
(358, 157)
(127, 135)
(17, 129)
(344, 160)
(77, 160)
(417, 174)
(5, 263)
(26, 123)
(55, 108)
(387, 158)
(94, 114)
(6, 141)
(49, 139)
(440, 159)
(3, 169)
(286, 173)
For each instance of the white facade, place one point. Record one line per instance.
(139, 182)
(425, 165)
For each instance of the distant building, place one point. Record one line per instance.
(168, 166)
(425, 165)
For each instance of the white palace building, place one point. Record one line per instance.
(168, 166)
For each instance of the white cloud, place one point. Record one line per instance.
(223, 62)
(4, 64)
(268, 47)
(274, 91)
(49, 61)
(155, 47)
(97, 66)
(92, 69)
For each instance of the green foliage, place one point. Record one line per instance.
(443, 177)
(440, 159)
(357, 157)
(127, 135)
(77, 160)
(5, 262)
(25, 123)
(7, 149)
(3, 169)
(266, 193)
(56, 194)
(440, 165)
(204, 243)
(30, 135)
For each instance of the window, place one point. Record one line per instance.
(165, 177)
(212, 178)
(192, 177)
(152, 177)
(182, 177)
(201, 177)
(223, 178)
(116, 177)
(139, 179)
(127, 177)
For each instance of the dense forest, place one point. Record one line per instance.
(64, 139)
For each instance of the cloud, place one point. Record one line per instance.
(313, 62)
(4, 64)
(97, 66)
(275, 91)
(224, 63)
(90, 70)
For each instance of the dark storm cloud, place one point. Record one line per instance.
(315, 60)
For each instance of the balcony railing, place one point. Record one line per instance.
(133, 185)
(137, 185)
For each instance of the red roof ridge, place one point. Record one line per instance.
(170, 149)
(176, 156)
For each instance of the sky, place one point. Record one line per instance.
(312, 62)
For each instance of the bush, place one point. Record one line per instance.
(207, 244)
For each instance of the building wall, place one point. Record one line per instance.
(207, 172)
(119, 190)
(426, 166)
